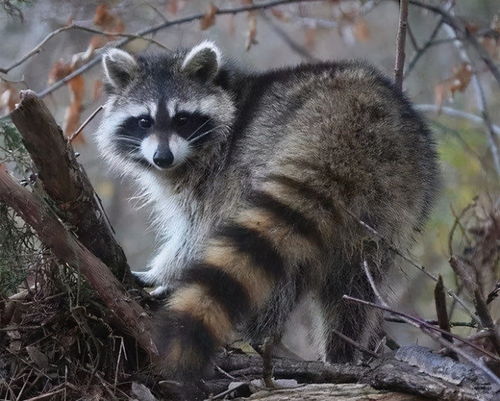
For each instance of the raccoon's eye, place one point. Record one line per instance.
(145, 122)
(181, 119)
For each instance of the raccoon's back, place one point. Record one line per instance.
(343, 131)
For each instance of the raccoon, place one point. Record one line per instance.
(262, 185)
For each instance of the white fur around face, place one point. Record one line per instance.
(206, 44)
(179, 148)
(148, 148)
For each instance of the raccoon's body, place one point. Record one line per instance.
(259, 184)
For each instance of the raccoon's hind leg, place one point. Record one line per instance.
(358, 322)
(243, 265)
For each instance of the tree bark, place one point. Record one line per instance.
(330, 392)
(65, 181)
(391, 373)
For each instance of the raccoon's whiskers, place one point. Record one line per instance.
(197, 129)
(206, 133)
(128, 139)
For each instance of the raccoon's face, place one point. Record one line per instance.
(163, 110)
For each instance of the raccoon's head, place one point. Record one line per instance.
(164, 110)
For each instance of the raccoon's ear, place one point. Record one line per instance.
(119, 67)
(202, 61)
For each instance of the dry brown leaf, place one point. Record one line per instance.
(279, 14)
(9, 97)
(209, 18)
(59, 70)
(103, 18)
(97, 92)
(172, 6)
(310, 37)
(459, 81)
(361, 30)
(252, 31)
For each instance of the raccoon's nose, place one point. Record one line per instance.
(163, 158)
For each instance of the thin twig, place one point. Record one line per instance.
(384, 306)
(428, 329)
(449, 111)
(81, 127)
(400, 43)
(452, 31)
(395, 250)
(291, 43)
(457, 25)
(38, 48)
(35, 50)
(355, 344)
(163, 25)
(433, 322)
(422, 49)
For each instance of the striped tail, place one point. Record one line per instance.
(241, 265)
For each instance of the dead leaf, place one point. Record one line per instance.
(459, 81)
(252, 31)
(209, 18)
(279, 14)
(310, 37)
(38, 357)
(9, 97)
(174, 6)
(361, 30)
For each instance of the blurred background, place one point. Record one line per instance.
(437, 79)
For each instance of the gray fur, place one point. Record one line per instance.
(340, 128)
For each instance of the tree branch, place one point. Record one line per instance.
(400, 43)
(389, 373)
(164, 25)
(65, 181)
(473, 118)
(70, 250)
(457, 26)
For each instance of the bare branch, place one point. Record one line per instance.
(395, 250)
(164, 25)
(37, 49)
(422, 49)
(449, 111)
(452, 31)
(429, 330)
(357, 345)
(400, 43)
(84, 124)
(458, 26)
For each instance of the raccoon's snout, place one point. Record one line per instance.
(163, 158)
